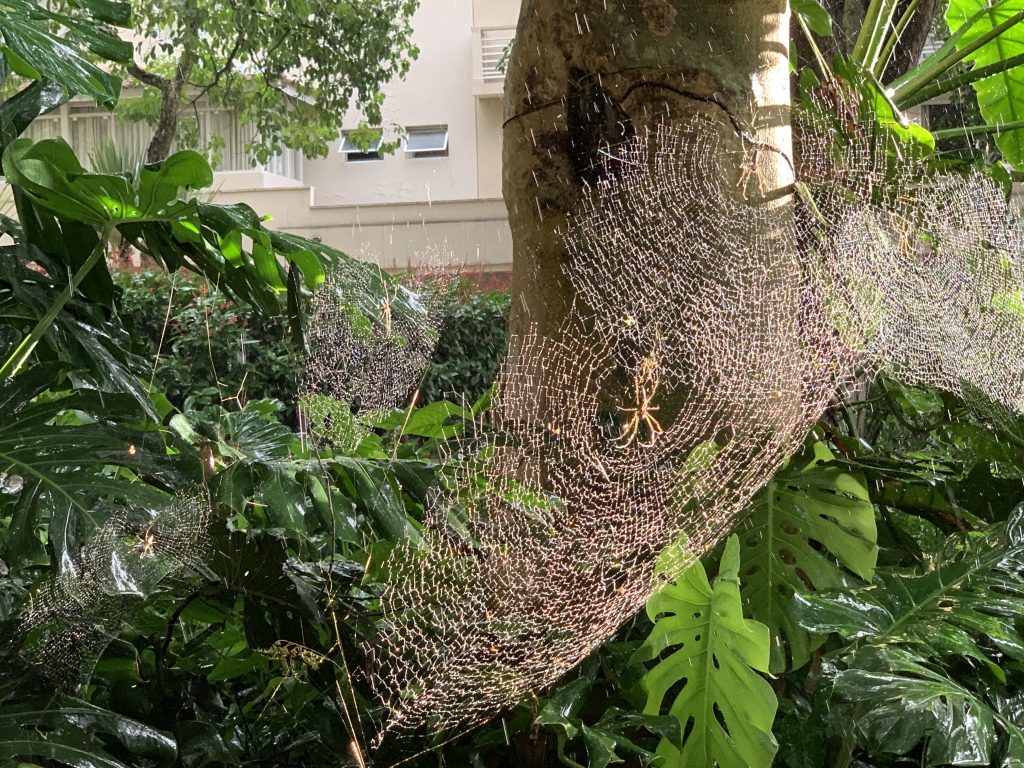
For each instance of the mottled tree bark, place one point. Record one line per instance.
(171, 90)
(585, 75)
(908, 50)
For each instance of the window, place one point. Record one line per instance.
(356, 154)
(428, 141)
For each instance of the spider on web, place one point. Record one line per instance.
(146, 541)
(645, 387)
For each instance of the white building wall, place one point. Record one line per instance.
(436, 91)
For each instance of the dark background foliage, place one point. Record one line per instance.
(207, 349)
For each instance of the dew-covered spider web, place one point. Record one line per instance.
(71, 620)
(370, 340)
(712, 330)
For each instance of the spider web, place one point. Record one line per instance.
(370, 341)
(70, 620)
(712, 331)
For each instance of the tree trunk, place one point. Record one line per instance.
(911, 44)
(171, 91)
(585, 75)
(167, 122)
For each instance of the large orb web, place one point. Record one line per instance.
(71, 619)
(712, 329)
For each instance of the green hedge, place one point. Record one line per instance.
(212, 351)
(473, 341)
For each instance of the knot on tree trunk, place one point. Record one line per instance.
(660, 17)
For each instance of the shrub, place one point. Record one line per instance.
(473, 340)
(208, 350)
(212, 352)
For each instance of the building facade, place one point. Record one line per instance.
(438, 192)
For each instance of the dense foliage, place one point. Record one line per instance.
(471, 345)
(207, 349)
(290, 70)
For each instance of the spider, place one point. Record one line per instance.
(385, 305)
(748, 169)
(645, 386)
(146, 541)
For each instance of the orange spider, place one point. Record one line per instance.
(645, 386)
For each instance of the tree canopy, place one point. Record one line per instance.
(290, 69)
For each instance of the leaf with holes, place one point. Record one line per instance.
(809, 523)
(970, 605)
(711, 655)
(1001, 96)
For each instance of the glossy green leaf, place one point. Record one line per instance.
(818, 19)
(903, 702)
(17, 112)
(65, 730)
(378, 498)
(52, 176)
(255, 565)
(812, 521)
(110, 11)
(711, 655)
(439, 420)
(1001, 96)
(563, 708)
(975, 592)
(610, 737)
(39, 43)
(252, 434)
(74, 748)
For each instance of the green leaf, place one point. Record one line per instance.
(256, 566)
(975, 592)
(1001, 96)
(64, 467)
(812, 518)
(72, 748)
(814, 15)
(251, 435)
(17, 112)
(42, 44)
(49, 173)
(562, 709)
(910, 635)
(903, 702)
(724, 707)
(110, 11)
(64, 729)
(431, 421)
(377, 496)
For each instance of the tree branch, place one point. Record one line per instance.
(148, 78)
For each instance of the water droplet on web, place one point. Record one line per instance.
(11, 483)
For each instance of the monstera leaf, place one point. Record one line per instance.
(809, 523)
(1001, 96)
(50, 174)
(17, 112)
(712, 655)
(909, 635)
(41, 44)
(56, 472)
